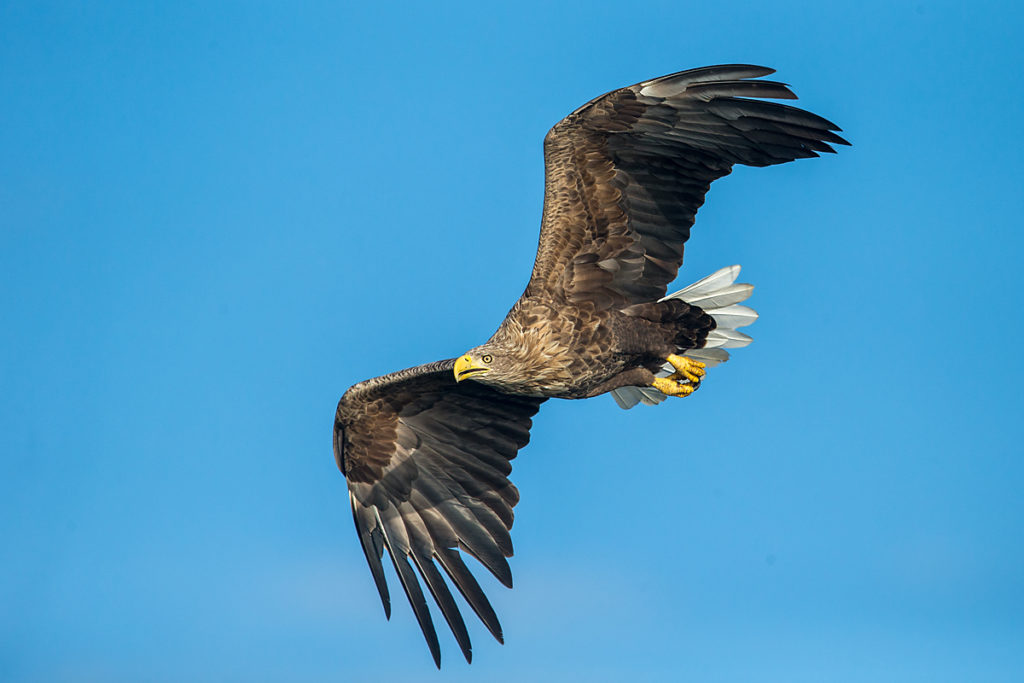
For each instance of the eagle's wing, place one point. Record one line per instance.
(427, 462)
(626, 172)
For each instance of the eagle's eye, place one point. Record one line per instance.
(487, 358)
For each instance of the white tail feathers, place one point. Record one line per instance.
(719, 296)
(627, 397)
(731, 317)
(719, 279)
(726, 339)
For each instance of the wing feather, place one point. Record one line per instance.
(427, 462)
(407, 578)
(467, 584)
(443, 597)
(372, 542)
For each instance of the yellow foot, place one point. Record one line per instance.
(686, 369)
(671, 387)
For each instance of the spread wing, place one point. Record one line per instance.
(626, 172)
(427, 462)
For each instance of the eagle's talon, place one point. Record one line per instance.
(683, 379)
(671, 387)
(687, 368)
(687, 376)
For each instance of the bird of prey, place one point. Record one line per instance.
(427, 451)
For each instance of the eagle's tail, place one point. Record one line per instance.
(719, 296)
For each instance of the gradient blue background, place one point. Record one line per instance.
(214, 218)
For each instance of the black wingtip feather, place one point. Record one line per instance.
(493, 560)
(407, 577)
(443, 597)
(744, 88)
(728, 70)
(371, 542)
(467, 584)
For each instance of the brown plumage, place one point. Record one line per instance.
(427, 457)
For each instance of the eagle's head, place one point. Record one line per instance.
(485, 363)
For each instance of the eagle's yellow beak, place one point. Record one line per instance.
(464, 368)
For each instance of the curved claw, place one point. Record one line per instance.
(685, 380)
(671, 387)
(687, 368)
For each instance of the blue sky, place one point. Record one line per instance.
(215, 217)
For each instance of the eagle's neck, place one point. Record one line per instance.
(537, 360)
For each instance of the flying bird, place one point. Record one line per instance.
(427, 451)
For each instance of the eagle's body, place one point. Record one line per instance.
(566, 351)
(427, 451)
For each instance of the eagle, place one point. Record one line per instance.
(427, 451)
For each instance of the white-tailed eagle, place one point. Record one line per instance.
(427, 451)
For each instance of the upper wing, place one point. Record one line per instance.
(626, 172)
(427, 462)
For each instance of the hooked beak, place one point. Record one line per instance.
(464, 368)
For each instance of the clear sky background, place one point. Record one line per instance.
(215, 217)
